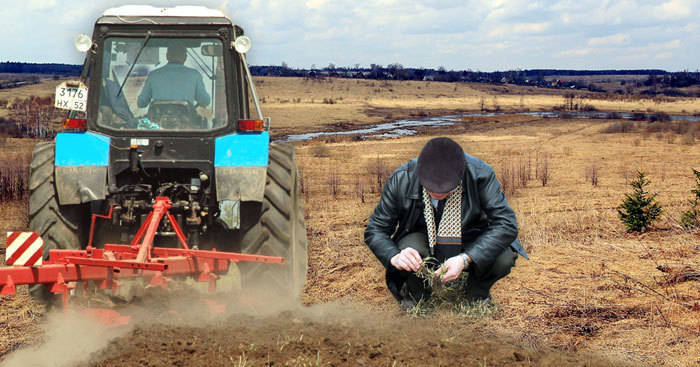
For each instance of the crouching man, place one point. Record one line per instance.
(447, 205)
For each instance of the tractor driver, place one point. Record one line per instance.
(174, 81)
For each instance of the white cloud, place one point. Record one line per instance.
(566, 18)
(40, 5)
(666, 45)
(675, 9)
(315, 4)
(692, 27)
(501, 10)
(606, 13)
(575, 52)
(611, 40)
(517, 30)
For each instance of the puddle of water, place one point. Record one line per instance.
(389, 129)
(403, 127)
(395, 133)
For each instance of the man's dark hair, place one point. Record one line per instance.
(176, 53)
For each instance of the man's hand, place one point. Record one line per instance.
(408, 259)
(451, 269)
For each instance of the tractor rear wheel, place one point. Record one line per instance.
(280, 231)
(58, 225)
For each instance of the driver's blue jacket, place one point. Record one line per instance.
(174, 81)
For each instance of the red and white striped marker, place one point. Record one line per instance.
(24, 249)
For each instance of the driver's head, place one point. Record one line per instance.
(176, 53)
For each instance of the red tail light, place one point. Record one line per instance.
(251, 125)
(77, 124)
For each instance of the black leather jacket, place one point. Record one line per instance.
(488, 222)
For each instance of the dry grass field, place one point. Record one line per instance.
(301, 104)
(297, 104)
(590, 288)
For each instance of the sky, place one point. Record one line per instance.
(454, 34)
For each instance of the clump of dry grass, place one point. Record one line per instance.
(333, 181)
(14, 179)
(380, 170)
(361, 188)
(592, 174)
(514, 173)
(542, 171)
(449, 296)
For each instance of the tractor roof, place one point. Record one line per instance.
(146, 14)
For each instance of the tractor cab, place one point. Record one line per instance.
(168, 70)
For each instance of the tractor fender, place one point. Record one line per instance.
(240, 166)
(81, 163)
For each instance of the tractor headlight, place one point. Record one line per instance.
(242, 44)
(83, 42)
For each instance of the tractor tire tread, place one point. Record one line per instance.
(46, 216)
(282, 222)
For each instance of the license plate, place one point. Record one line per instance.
(71, 96)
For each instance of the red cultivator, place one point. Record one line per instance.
(108, 265)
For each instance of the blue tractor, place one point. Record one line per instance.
(162, 111)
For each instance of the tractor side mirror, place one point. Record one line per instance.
(212, 50)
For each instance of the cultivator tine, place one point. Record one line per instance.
(9, 287)
(110, 283)
(208, 276)
(85, 288)
(63, 288)
(115, 287)
(159, 280)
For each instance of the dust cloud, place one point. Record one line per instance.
(73, 337)
(70, 337)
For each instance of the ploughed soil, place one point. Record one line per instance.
(186, 327)
(338, 339)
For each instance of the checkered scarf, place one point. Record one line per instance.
(449, 230)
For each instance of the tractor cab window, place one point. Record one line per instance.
(162, 84)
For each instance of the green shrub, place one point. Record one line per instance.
(691, 218)
(639, 209)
